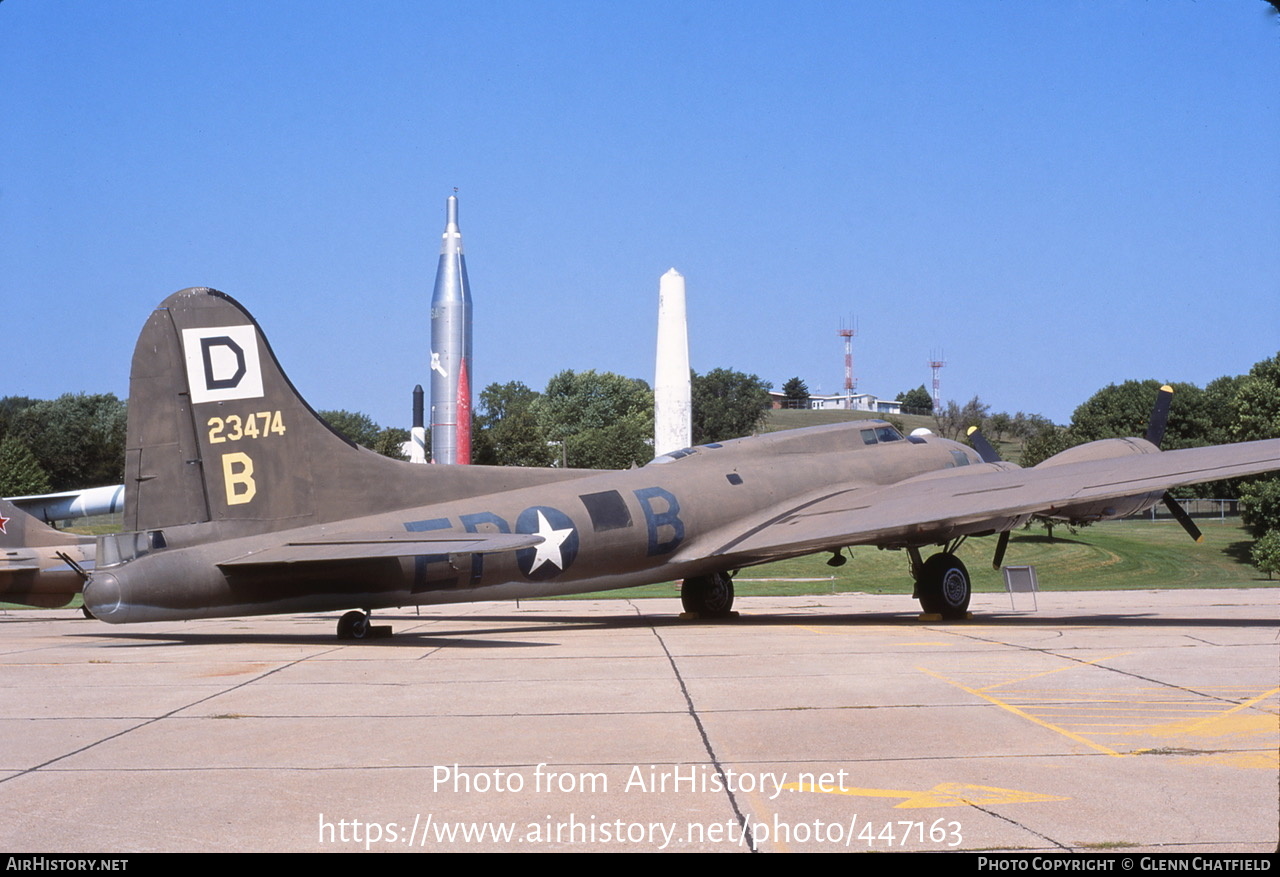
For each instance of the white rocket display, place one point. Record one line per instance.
(672, 408)
(451, 349)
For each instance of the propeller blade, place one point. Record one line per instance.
(1159, 416)
(1000, 549)
(1182, 517)
(982, 446)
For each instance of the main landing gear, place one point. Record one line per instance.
(708, 596)
(942, 584)
(356, 625)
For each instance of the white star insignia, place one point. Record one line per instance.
(548, 550)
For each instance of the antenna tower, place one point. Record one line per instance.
(936, 363)
(847, 331)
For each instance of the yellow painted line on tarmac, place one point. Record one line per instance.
(1200, 725)
(1051, 672)
(941, 795)
(1023, 714)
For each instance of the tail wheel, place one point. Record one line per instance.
(353, 625)
(944, 587)
(708, 596)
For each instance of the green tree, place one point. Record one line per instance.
(602, 420)
(796, 393)
(506, 430)
(999, 424)
(1257, 416)
(953, 420)
(1047, 439)
(727, 404)
(353, 425)
(78, 438)
(1260, 506)
(1123, 410)
(10, 408)
(1257, 403)
(390, 442)
(1220, 403)
(361, 429)
(917, 401)
(20, 472)
(1266, 553)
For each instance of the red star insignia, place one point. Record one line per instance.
(3, 521)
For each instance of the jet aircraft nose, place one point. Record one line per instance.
(102, 597)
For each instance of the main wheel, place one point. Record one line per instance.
(709, 596)
(353, 625)
(944, 586)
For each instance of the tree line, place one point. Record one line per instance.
(602, 420)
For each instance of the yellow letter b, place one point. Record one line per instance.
(237, 473)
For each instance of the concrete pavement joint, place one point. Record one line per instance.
(706, 743)
(158, 718)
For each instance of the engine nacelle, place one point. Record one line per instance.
(1101, 510)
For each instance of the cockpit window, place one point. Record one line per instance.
(880, 434)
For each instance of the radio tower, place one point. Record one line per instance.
(847, 331)
(936, 363)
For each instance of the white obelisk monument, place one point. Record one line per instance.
(672, 409)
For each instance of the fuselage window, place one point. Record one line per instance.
(608, 510)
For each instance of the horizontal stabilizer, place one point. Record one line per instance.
(348, 547)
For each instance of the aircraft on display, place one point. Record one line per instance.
(71, 504)
(40, 566)
(239, 500)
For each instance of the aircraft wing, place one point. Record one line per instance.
(929, 509)
(371, 546)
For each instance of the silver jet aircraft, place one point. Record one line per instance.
(241, 501)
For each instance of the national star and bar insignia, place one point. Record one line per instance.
(548, 551)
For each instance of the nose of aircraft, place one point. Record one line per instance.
(102, 597)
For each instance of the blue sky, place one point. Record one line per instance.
(1057, 196)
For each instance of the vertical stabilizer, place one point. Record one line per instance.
(21, 530)
(216, 430)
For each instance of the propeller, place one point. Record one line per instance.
(982, 446)
(1155, 434)
(989, 455)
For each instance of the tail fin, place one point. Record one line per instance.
(39, 566)
(21, 530)
(218, 433)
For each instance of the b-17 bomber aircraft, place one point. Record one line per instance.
(241, 501)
